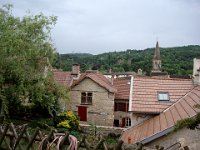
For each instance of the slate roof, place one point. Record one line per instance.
(145, 92)
(162, 124)
(63, 77)
(97, 77)
(123, 88)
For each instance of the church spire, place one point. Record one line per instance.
(156, 59)
(157, 52)
(156, 69)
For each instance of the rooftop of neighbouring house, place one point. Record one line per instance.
(63, 77)
(162, 124)
(146, 90)
(123, 87)
(68, 79)
(97, 77)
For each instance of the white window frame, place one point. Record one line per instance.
(128, 122)
(163, 96)
(88, 98)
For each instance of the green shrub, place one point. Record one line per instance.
(68, 120)
(42, 123)
(76, 134)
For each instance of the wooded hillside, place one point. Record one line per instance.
(175, 60)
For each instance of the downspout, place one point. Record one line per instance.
(130, 94)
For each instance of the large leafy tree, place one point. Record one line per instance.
(26, 54)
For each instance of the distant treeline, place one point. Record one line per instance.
(175, 60)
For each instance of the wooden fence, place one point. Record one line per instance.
(14, 138)
(19, 138)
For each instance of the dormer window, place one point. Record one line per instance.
(86, 98)
(163, 96)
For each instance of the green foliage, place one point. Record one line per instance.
(183, 123)
(42, 123)
(175, 60)
(26, 54)
(68, 120)
(112, 138)
(75, 133)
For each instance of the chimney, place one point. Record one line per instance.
(139, 71)
(196, 71)
(75, 69)
(112, 79)
(110, 70)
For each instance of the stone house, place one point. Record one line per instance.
(92, 98)
(91, 93)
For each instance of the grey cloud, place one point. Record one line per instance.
(97, 26)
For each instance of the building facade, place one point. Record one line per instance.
(93, 102)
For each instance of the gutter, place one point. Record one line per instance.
(130, 94)
(157, 135)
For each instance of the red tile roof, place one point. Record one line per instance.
(123, 87)
(162, 124)
(62, 77)
(145, 92)
(97, 77)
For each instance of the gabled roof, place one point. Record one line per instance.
(145, 92)
(162, 124)
(97, 78)
(63, 77)
(123, 87)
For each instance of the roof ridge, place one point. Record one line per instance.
(160, 78)
(97, 78)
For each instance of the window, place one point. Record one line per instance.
(116, 123)
(128, 122)
(86, 98)
(163, 96)
(121, 107)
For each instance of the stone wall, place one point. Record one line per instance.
(103, 130)
(138, 118)
(101, 112)
(187, 137)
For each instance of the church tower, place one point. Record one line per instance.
(156, 59)
(156, 67)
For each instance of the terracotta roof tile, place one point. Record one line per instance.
(123, 87)
(163, 123)
(62, 77)
(145, 89)
(98, 78)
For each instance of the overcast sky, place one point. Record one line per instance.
(97, 26)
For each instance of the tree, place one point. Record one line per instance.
(26, 54)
